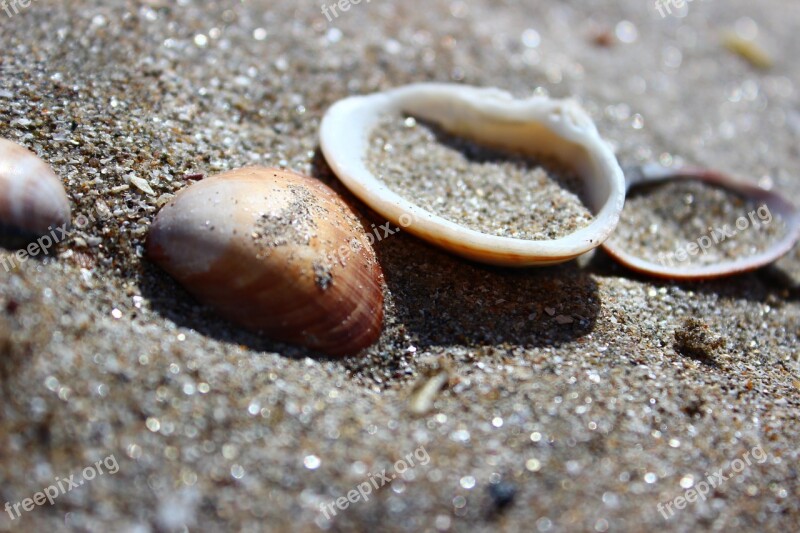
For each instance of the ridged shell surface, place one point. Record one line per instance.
(275, 252)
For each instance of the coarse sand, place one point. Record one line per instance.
(579, 397)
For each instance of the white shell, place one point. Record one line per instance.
(32, 198)
(537, 126)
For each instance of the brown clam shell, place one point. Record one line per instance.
(32, 199)
(275, 252)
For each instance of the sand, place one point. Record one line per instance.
(577, 397)
(494, 192)
(680, 214)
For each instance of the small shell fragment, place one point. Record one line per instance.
(32, 199)
(538, 126)
(425, 392)
(142, 185)
(748, 50)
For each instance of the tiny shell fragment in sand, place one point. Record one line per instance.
(695, 339)
(748, 50)
(426, 391)
(143, 186)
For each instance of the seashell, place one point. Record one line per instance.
(537, 126)
(777, 204)
(275, 252)
(32, 199)
(426, 391)
(748, 50)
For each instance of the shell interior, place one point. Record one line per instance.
(538, 126)
(656, 173)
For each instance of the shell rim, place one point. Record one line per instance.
(344, 135)
(723, 268)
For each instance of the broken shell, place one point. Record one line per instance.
(425, 392)
(275, 252)
(538, 126)
(748, 50)
(32, 198)
(655, 173)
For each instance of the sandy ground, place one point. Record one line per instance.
(568, 406)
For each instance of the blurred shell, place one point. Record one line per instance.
(275, 252)
(656, 173)
(537, 126)
(32, 198)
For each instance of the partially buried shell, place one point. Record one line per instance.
(32, 199)
(275, 252)
(774, 202)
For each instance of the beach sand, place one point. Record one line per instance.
(578, 397)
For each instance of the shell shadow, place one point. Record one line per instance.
(433, 299)
(172, 302)
(13, 240)
(438, 299)
(444, 300)
(760, 285)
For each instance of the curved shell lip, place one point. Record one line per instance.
(33, 200)
(344, 138)
(655, 173)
